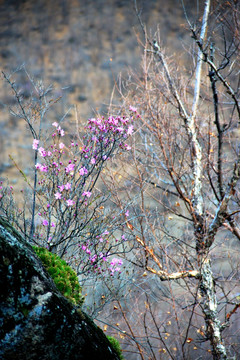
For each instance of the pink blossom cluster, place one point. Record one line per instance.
(68, 172)
(100, 261)
(60, 131)
(115, 128)
(104, 135)
(115, 265)
(114, 124)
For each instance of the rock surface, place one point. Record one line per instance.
(36, 321)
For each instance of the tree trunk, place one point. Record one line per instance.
(213, 327)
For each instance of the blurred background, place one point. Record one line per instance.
(81, 48)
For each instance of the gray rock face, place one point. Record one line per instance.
(36, 321)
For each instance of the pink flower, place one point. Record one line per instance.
(132, 108)
(69, 168)
(35, 144)
(68, 186)
(87, 193)
(124, 120)
(42, 152)
(93, 161)
(120, 129)
(127, 213)
(115, 265)
(127, 147)
(55, 124)
(83, 171)
(130, 130)
(61, 187)
(58, 195)
(114, 261)
(93, 258)
(62, 133)
(61, 146)
(70, 202)
(38, 166)
(52, 224)
(45, 222)
(43, 168)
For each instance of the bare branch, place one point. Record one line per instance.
(220, 215)
(164, 276)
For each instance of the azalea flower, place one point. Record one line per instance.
(116, 261)
(68, 186)
(43, 168)
(83, 171)
(69, 168)
(42, 152)
(58, 195)
(70, 202)
(130, 130)
(35, 144)
(87, 193)
(132, 108)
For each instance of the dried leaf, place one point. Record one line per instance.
(129, 226)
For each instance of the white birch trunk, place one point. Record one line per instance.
(213, 326)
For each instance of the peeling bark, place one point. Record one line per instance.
(213, 326)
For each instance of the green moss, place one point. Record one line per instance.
(24, 311)
(62, 274)
(116, 346)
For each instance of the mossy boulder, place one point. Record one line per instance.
(36, 321)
